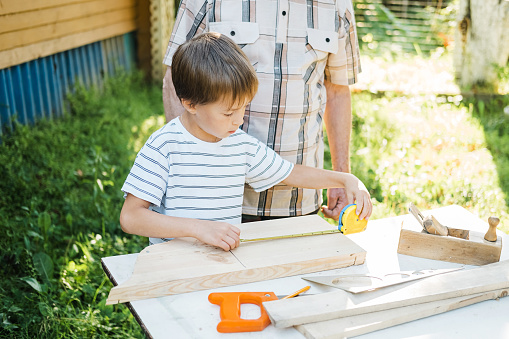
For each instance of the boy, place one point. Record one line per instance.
(188, 179)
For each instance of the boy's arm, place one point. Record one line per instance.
(136, 218)
(315, 178)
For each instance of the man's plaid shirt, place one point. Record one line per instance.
(293, 45)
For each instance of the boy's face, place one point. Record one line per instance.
(214, 121)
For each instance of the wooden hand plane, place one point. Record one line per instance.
(439, 242)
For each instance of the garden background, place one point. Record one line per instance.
(417, 137)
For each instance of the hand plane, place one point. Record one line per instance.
(433, 240)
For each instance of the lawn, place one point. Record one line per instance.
(417, 139)
(61, 183)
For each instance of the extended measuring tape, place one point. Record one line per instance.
(348, 223)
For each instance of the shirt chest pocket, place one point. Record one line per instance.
(319, 45)
(244, 34)
(323, 42)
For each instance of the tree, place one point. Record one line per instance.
(482, 42)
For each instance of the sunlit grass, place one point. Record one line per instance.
(140, 133)
(59, 212)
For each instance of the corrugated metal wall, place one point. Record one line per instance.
(38, 88)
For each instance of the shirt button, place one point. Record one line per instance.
(327, 40)
(232, 33)
(284, 13)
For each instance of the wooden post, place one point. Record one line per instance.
(162, 18)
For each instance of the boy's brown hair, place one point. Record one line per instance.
(211, 67)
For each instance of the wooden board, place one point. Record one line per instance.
(472, 251)
(60, 29)
(374, 321)
(23, 54)
(16, 6)
(297, 311)
(47, 16)
(38, 28)
(186, 265)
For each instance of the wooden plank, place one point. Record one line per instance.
(472, 251)
(297, 311)
(23, 54)
(33, 35)
(370, 322)
(24, 20)
(186, 265)
(17, 6)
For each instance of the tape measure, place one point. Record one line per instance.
(348, 223)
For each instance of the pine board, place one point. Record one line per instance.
(23, 54)
(374, 321)
(16, 6)
(47, 16)
(186, 265)
(59, 29)
(327, 306)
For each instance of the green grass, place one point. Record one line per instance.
(61, 195)
(433, 151)
(59, 212)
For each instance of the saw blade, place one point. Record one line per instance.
(357, 283)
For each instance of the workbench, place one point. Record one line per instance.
(191, 315)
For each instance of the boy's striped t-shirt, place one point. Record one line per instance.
(183, 176)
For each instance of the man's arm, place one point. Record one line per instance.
(172, 106)
(338, 124)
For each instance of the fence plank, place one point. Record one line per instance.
(22, 54)
(17, 6)
(40, 17)
(39, 34)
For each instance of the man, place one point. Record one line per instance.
(305, 54)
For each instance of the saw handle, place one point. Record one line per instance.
(491, 235)
(229, 303)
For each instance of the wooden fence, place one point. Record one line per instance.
(38, 28)
(403, 25)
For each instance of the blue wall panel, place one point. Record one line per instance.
(37, 89)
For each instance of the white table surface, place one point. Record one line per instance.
(191, 315)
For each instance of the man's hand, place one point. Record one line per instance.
(355, 192)
(220, 234)
(336, 200)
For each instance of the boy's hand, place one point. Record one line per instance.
(220, 234)
(357, 193)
